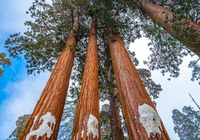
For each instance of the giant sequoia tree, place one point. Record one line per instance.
(55, 33)
(50, 106)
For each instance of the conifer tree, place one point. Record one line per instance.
(187, 123)
(136, 103)
(87, 120)
(43, 43)
(50, 106)
(21, 124)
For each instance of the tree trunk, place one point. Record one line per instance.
(45, 120)
(116, 130)
(87, 120)
(157, 13)
(137, 106)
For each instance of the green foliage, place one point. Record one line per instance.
(187, 124)
(47, 33)
(105, 123)
(42, 43)
(4, 62)
(183, 31)
(183, 8)
(133, 58)
(152, 88)
(196, 70)
(68, 116)
(116, 17)
(21, 124)
(167, 51)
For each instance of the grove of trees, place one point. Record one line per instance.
(88, 41)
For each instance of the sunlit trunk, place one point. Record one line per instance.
(157, 13)
(137, 106)
(45, 120)
(87, 120)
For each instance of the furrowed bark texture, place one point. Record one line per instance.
(52, 99)
(89, 95)
(131, 91)
(116, 130)
(157, 13)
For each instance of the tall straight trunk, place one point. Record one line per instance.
(116, 129)
(87, 120)
(142, 121)
(45, 120)
(157, 13)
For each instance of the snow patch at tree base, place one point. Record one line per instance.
(92, 126)
(149, 119)
(44, 128)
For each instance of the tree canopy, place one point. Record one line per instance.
(21, 124)
(4, 62)
(187, 124)
(46, 35)
(52, 22)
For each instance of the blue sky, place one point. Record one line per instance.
(19, 92)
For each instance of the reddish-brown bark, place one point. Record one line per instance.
(52, 99)
(157, 13)
(89, 95)
(116, 130)
(131, 91)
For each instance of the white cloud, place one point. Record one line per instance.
(13, 15)
(23, 96)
